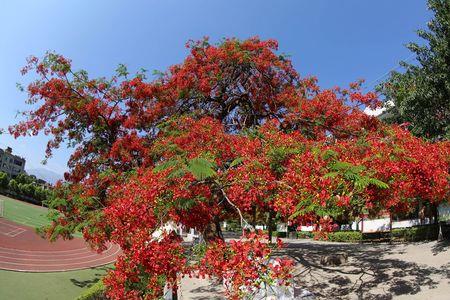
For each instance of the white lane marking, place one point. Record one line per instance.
(55, 265)
(53, 259)
(42, 251)
(16, 232)
(43, 258)
(12, 231)
(9, 225)
(50, 252)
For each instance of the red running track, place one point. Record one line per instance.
(21, 249)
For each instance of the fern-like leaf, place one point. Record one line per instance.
(201, 168)
(236, 162)
(165, 165)
(378, 183)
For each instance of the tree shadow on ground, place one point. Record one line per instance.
(212, 288)
(370, 273)
(440, 246)
(85, 283)
(90, 282)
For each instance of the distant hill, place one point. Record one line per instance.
(45, 174)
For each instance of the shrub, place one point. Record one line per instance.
(280, 234)
(345, 236)
(3, 180)
(25, 179)
(27, 189)
(95, 292)
(384, 236)
(233, 226)
(13, 185)
(414, 234)
(304, 234)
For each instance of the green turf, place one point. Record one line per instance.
(24, 213)
(57, 286)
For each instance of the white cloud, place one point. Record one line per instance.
(374, 112)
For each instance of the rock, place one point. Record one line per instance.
(300, 293)
(334, 259)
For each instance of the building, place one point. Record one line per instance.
(11, 164)
(40, 182)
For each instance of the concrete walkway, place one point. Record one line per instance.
(373, 271)
(200, 289)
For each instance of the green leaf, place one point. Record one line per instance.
(201, 168)
(345, 166)
(178, 172)
(165, 165)
(122, 70)
(329, 154)
(378, 183)
(186, 204)
(236, 162)
(331, 175)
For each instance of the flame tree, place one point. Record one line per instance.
(231, 130)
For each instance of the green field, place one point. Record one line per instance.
(50, 286)
(24, 213)
(30, 286)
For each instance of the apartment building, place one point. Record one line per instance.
(11, 164)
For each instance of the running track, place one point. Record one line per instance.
(21, 249)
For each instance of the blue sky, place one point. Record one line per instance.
(338, 41)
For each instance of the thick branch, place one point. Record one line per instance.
(237, 208)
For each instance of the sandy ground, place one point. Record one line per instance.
(373, 271)
(200, 289)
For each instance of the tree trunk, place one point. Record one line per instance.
(269, 225)
(254, 217)
(435, 213)
(175, 292)
(213, 231)
(219, 232)
(436, 221)
(440, 234)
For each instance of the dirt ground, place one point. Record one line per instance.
(373, 271)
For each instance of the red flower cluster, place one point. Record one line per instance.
(245, 265)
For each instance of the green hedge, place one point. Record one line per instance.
(280, 234)
(304, 234)
(338, 236)
(345, 236)
(414, 234)
(95, 292)
(274, 233)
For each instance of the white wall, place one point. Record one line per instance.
(378, 225)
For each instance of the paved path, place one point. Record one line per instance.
(373, 271)
(200, 289)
